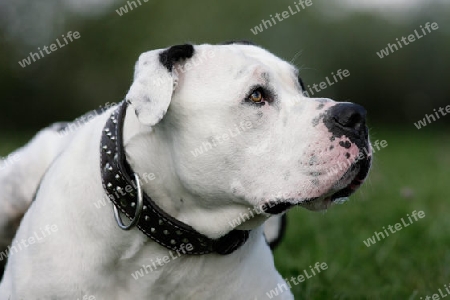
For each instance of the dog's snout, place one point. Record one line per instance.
(349, 115)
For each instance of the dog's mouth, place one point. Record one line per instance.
(352, 179)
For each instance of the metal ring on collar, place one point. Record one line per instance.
(139, 206)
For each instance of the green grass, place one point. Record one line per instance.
(411, 173)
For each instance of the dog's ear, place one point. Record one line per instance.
(154, 82)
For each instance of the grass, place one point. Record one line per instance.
(411, 173)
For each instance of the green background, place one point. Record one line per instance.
(411, 173)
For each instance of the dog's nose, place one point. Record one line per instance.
(349, 115)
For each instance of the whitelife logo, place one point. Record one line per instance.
(161, 262)
(430, 118)
(282, 287)
(130, 4)
(24, 243)
(398, 226)
(128, 189)
(405, 41)
(220, 139)
(265, 24)
(81, 121)
(9, 160)
(49, 49)
(340, 75)
(439, 296)
(363, 154)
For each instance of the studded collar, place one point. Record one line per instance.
(122, 187)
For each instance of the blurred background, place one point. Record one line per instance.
(411, 173)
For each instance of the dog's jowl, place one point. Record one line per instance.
(195, 228)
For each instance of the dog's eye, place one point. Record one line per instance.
(256, 96)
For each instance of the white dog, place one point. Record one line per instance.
(210, 142)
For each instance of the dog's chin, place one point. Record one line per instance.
(345, 186)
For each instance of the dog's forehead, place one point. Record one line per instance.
(238, 58)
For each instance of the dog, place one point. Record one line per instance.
(23, 170)
(184, 223)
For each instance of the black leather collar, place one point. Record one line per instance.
(123, 191)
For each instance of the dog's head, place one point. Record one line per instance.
(244, 134)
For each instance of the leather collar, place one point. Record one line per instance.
(122, 186)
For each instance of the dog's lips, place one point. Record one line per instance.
(323, 202)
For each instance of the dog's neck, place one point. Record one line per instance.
(147, 152)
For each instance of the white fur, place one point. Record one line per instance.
(90, 255)
(20, 177)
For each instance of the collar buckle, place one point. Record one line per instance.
(139, 206)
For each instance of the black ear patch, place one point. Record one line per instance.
(174, 54)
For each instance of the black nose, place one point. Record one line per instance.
(349, 115)
(348, 119)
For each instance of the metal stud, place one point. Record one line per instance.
(147, 218)
(173, 242)
(109, 185)
(119, 189)
(152, 230)
(178, 232)
(145, 207)
(117, 176)
(166, 232)
(105, 147)
(160, 222)
(133, 204)
(113, 138)
(185, 240)
(108, 152)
